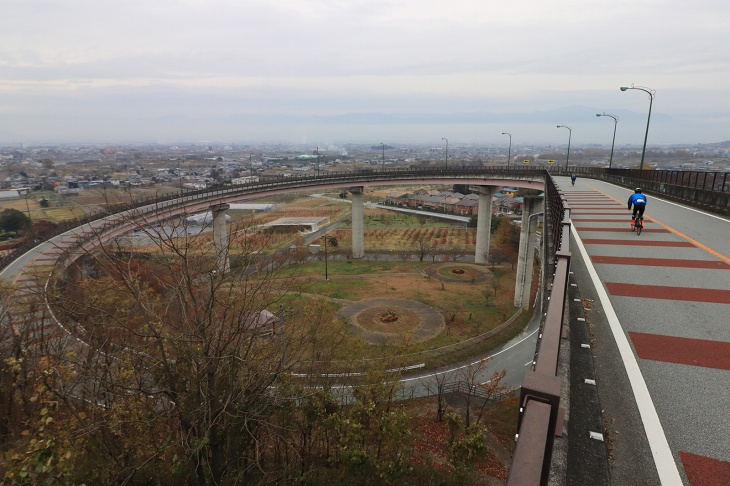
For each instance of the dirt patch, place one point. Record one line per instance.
(460, 272)
(420, 322)
(388, 319)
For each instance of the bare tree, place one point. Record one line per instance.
(477, 391)
(440, 385)
(198, 349)
(423, 246)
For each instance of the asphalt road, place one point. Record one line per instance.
(661, 333)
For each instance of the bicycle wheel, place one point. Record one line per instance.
(639, 226)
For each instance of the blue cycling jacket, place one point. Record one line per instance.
(637, 199)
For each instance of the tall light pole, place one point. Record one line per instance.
(651, 94)
(615, 122)
(447, 151)
(326, 273)
(381, 143)
(27, 206)
(509, 151)
(570, 135)
(179, 175)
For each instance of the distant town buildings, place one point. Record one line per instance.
(455, 202)
(197, 167)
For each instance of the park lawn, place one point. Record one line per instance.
(338, 268)
(56, 214)
(466, 309)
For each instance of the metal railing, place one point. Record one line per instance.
(692, 179)
(177, 199)
(539, 411)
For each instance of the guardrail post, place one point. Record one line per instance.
(537, 387)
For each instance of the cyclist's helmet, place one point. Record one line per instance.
(637, 190)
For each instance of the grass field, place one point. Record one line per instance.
(469, 309)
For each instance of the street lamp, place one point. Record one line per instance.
(651, 94)
(179, 175)
(570, 134)
(615, 122)
(509, 152)
(326, 274)
(381, 143)
(27, 206)
(447, 151)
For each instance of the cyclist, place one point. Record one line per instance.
(638, 200)
(573, 177)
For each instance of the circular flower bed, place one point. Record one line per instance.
(388, 320)
(389, 316)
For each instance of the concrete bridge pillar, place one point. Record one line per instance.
(220, 237)
(358, 222)
(531, 207)
(484, 223)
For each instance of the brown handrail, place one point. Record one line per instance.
(539, 412)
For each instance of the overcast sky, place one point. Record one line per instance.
(282, 70)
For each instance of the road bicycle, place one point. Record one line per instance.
(638, 224)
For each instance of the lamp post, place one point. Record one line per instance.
(570, 134)
(27, 206)
(509, 151)
(326, 273)
(381, 143)
(651, 94)
(179, 175)
(615, 122)
(447, 151)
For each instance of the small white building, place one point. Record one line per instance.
(10, 194)
(244, 180)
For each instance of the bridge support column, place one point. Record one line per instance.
(531, 207)
(220, 237)
(358, 222)
(484, 223)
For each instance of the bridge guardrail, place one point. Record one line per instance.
(175, 199)
(540, 416)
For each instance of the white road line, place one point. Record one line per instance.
(663, 459)
(470, 364)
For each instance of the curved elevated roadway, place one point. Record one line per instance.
(65, 247)
(661, 333)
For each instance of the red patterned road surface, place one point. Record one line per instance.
(662, 324)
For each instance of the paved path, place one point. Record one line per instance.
(661, 333)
